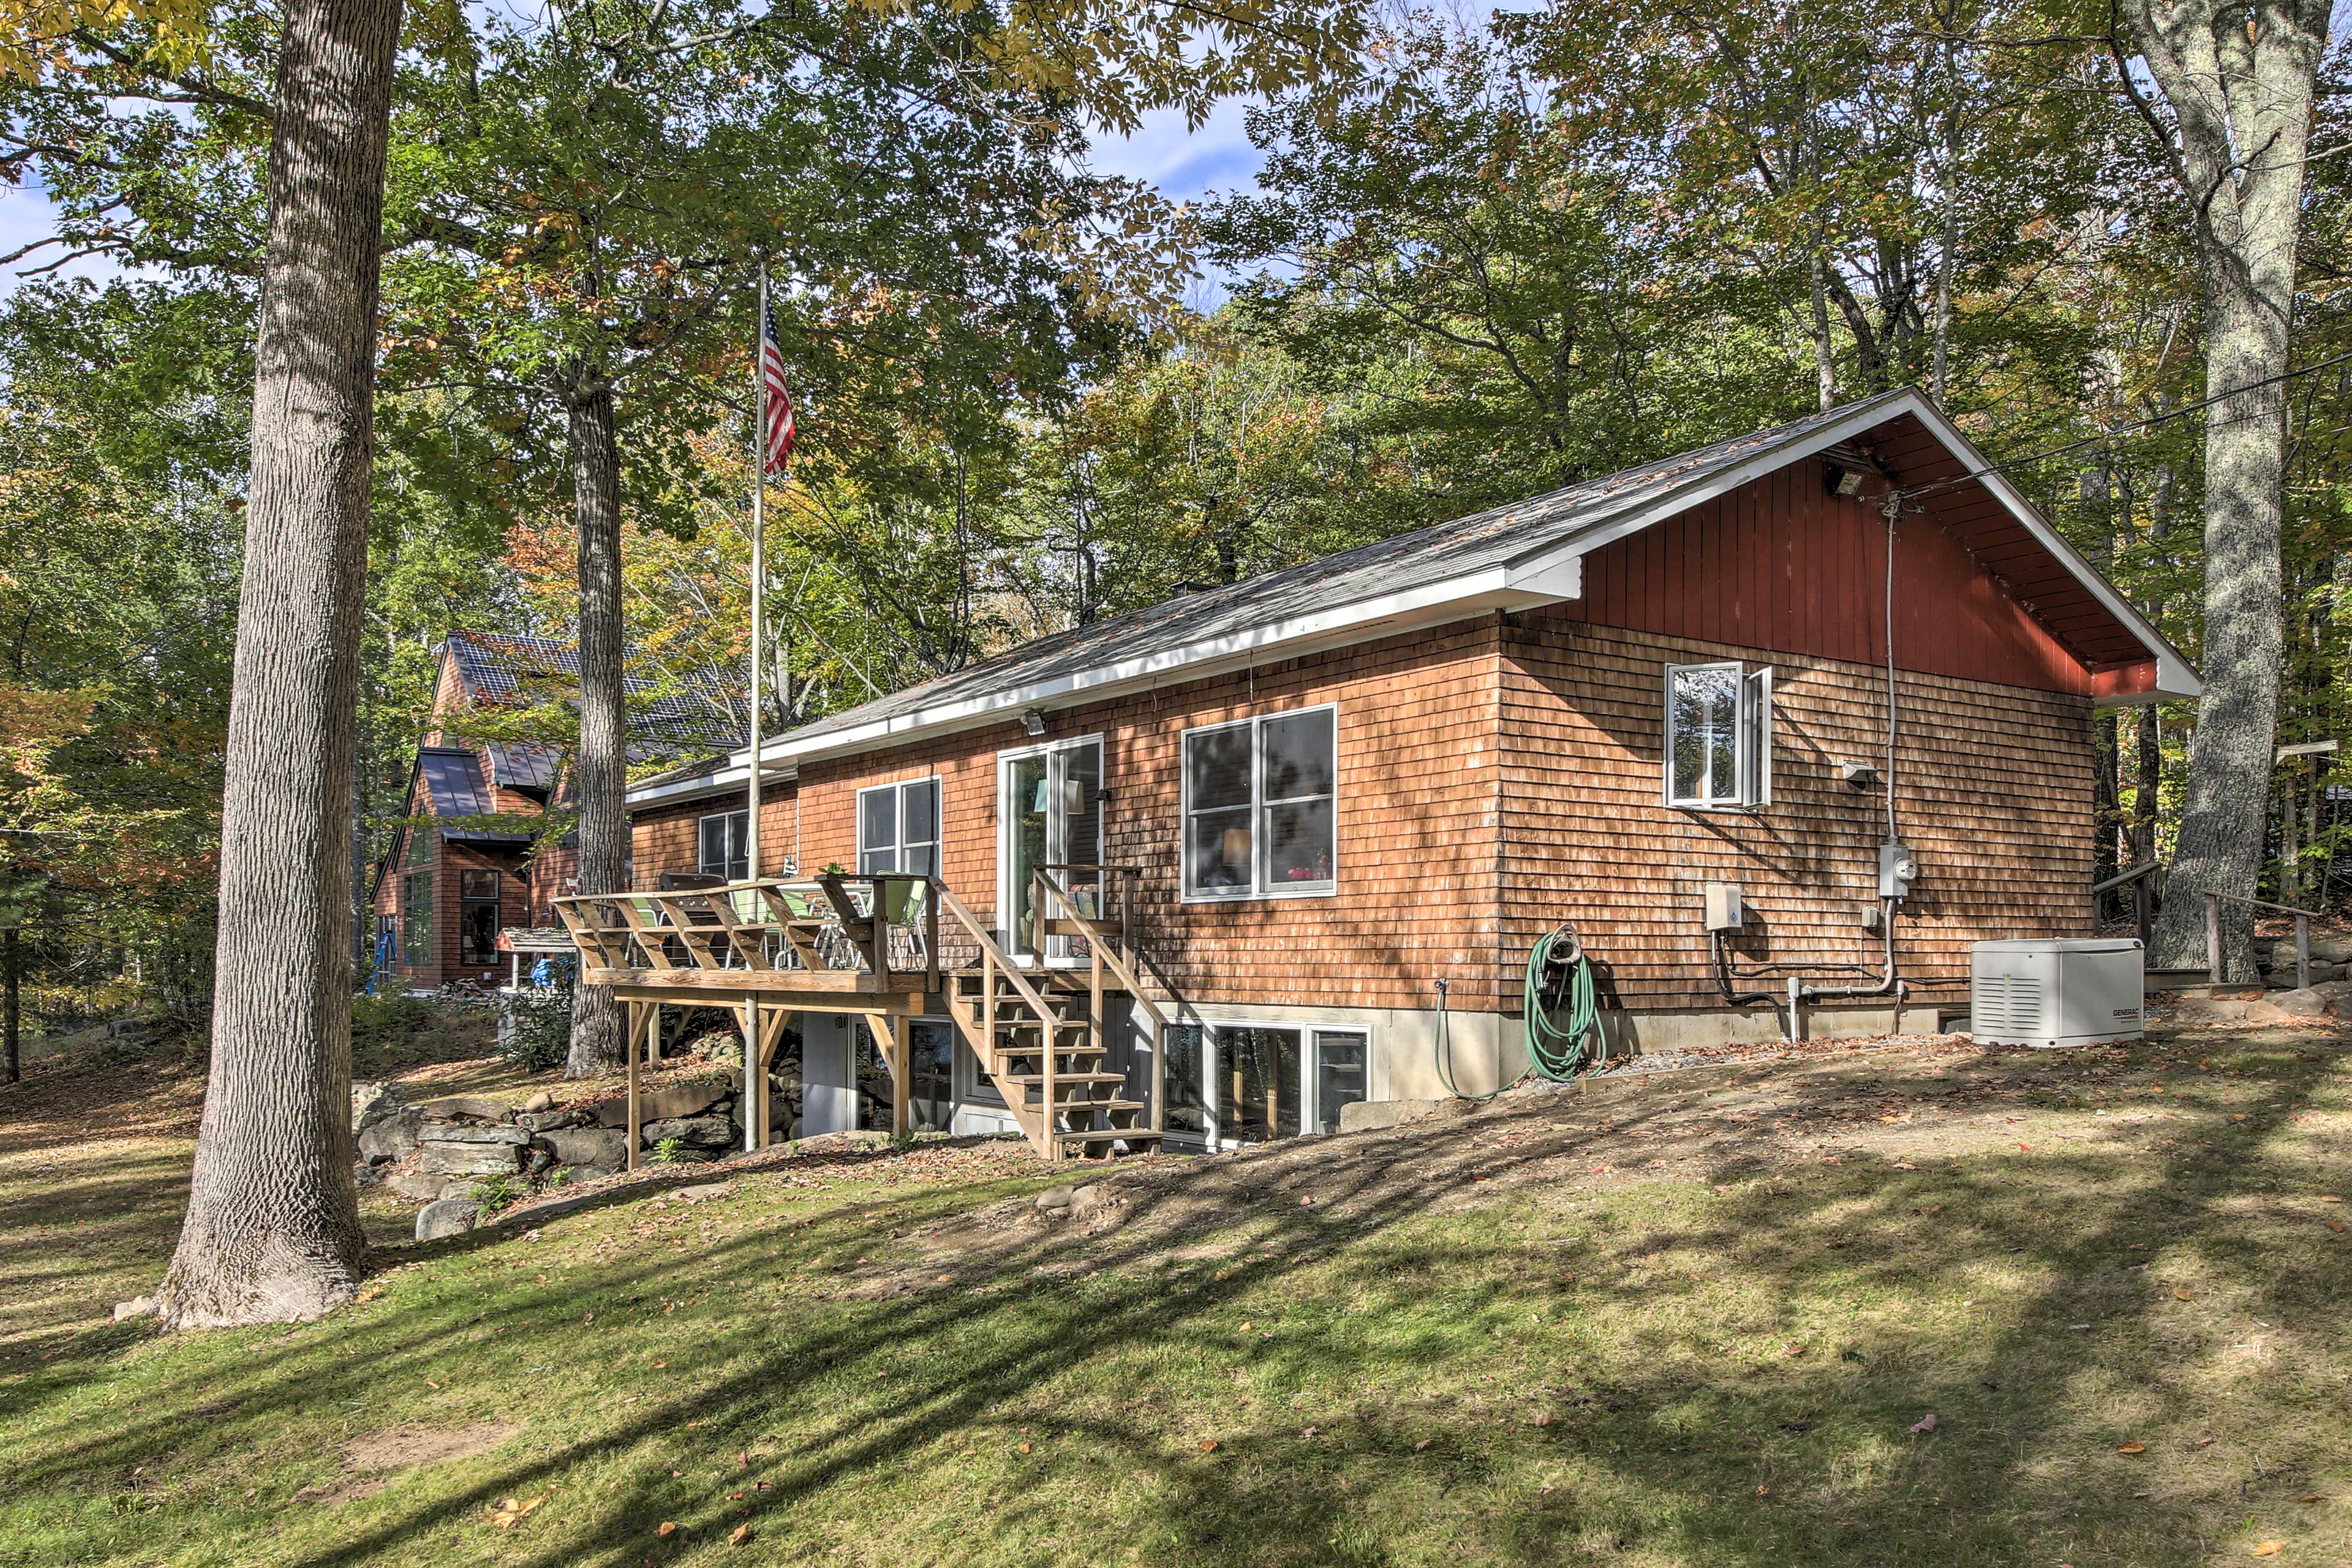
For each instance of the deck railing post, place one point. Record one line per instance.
(2212, 939)
(2303, 953)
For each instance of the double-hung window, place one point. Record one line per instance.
(725, 846)
(1261, 806)
(1718, 737)
(478, 901)
(899, 827)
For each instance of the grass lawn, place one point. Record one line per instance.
(1695, 1318)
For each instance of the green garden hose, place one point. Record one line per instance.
(1554, 1051)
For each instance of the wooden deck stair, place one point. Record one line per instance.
(1060, 1093)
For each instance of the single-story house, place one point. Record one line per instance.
(1813, 703)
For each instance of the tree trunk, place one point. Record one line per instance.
(11, 996)
(2239, 84)
(273, 1230)
(2107, 814)
(602, 769)
(2150, 778)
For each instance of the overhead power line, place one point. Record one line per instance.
(2185, 409)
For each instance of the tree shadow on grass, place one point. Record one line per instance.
(1641, 1413)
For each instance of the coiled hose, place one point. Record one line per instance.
(1555, 1051)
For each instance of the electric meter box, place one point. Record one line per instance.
(2085, 992)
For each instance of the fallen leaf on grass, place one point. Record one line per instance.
(509, 1511)
(666, 1527)
(2336, 1226)
(1794, 1350)
(1422, 1445)
(741, 1533)
(1024, 1449)
(2027, 1147)
(2202, 1443)
(1209, 1444)
(1763, 1491)
(2182, 1292)
(1925, 1424)
(2311, 1497)
(2131, 1447)
(2269, 1548)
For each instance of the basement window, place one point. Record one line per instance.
(1261, 806)
(1718, 737)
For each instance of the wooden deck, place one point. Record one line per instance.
(886, 947)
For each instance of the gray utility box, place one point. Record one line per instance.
(2080, 992)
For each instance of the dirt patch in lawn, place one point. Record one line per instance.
(373, 1462)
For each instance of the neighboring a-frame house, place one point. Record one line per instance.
(442, 895)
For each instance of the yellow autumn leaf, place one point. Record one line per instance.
(2269, 1548)
(741, 1533)
(2131, 1447)
(2182, 1291)
(666, 1527)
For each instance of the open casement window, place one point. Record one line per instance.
(725, 849)
(1261, 806)
(899, 827)
(1718, 737)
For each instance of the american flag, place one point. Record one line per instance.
(780, 399)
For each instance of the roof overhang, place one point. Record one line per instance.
(733, 779)
(2165, 676)
(1542, 577)
(1513, 586)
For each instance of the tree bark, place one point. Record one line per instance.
(273, 1232)
(2239, 83)
(603, 768)
(12, 975)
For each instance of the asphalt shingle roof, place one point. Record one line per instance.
(1482, 539)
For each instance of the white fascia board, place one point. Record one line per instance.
(1436, 603)
(735, 776)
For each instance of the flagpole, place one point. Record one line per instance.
(754, 1097)
(759, 557)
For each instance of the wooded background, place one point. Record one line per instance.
(1485, 255)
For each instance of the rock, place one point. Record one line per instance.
(1375, 1115)
(1055, 1200)
(663, 1104)
(466, 1105)
(694, 1131)
(470, 1132)
(2307, 1004)
(544, 1122)
(373, 1099)
(695, 1195)
(422, 1186)
(469, 1159)
(137, 1307)
(594, 1148)
(2211, 1010)
(543, 1101)
(2324, 950)
(449, 1216)
(390, 1137)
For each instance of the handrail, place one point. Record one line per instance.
(1099, 941)
(2303, 919)
(2124, 879)
(1011, 971)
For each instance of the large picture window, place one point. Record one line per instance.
(899, 827)
(477, 912)
(1718, 737)
(1234, 1083)
(416, 918)
(1261, 801)
(725, 846)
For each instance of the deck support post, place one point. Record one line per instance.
(895, 1040)
(634, 1033)
(748, 1103)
